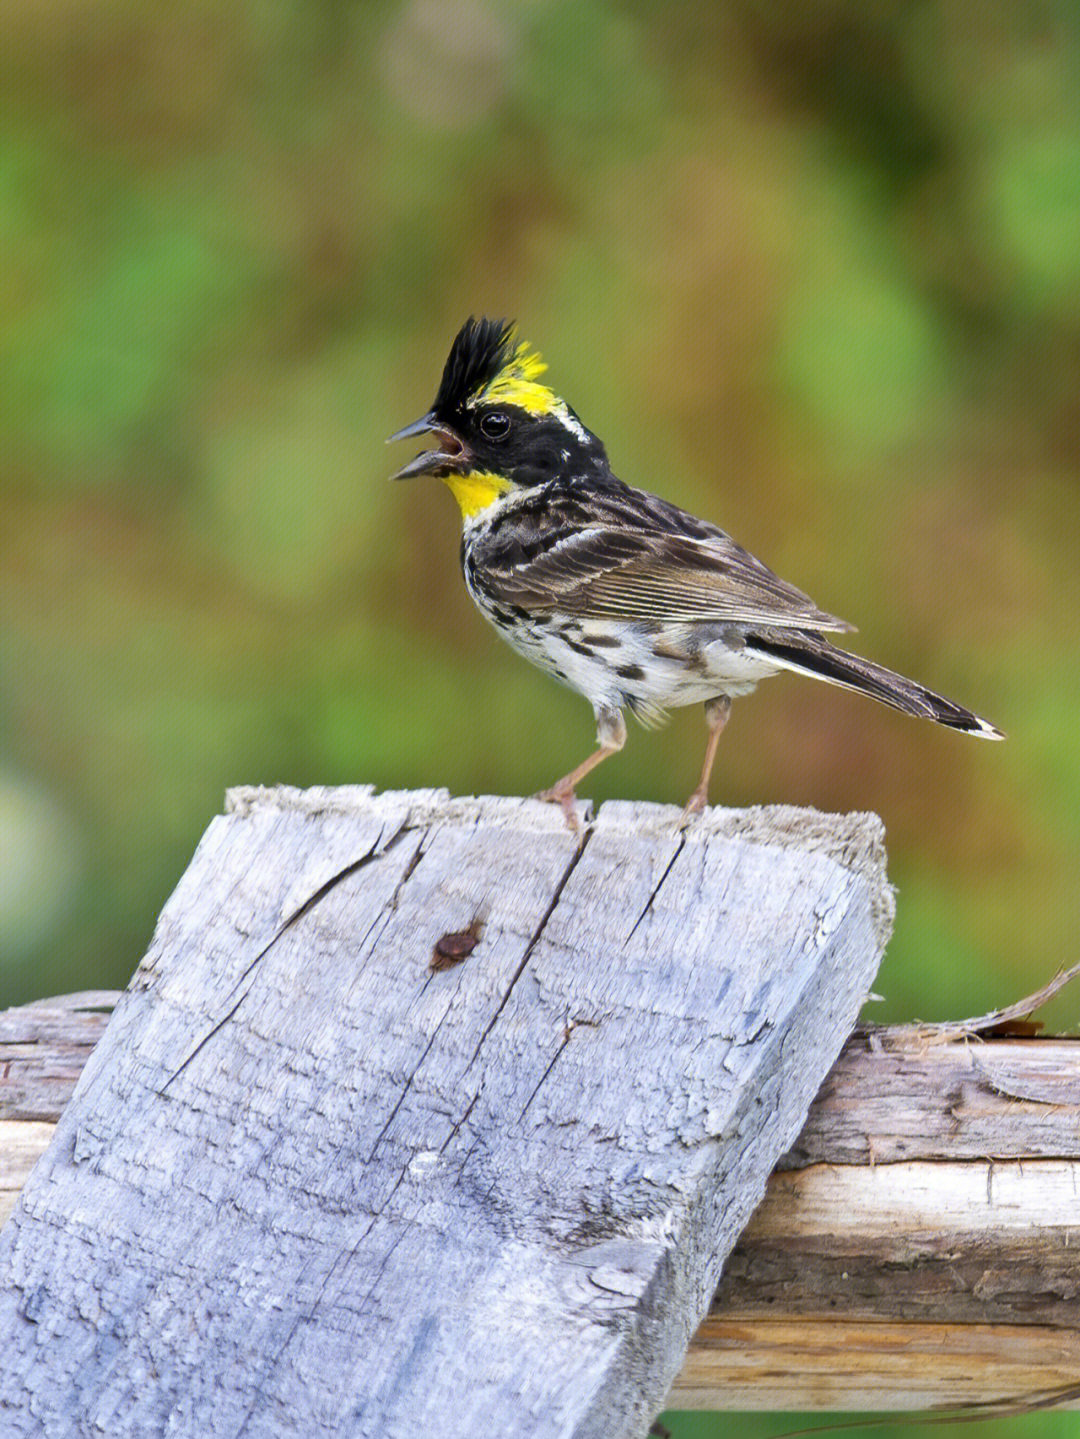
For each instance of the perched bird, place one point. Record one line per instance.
(617, 593)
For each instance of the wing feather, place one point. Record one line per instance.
(633, 572)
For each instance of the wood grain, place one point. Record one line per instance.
(965, 1221)
(307, 1185)
(824, 1364)
(891, 1100)
(44, 1047)
(966, 1216)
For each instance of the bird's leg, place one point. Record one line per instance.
(610, 737)
(716, 717)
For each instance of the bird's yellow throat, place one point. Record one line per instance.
(475, 492)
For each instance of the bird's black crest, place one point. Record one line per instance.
(481, 350)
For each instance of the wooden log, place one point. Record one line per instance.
(44, 1047)
(916, 1246)
(826, 1364)
(427, 1116)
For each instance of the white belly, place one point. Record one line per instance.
(615, 664)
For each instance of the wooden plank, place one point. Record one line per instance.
(311, 1184)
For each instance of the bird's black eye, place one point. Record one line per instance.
(496, 426)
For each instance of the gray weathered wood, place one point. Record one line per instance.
(309, 1185)
(940, 1187)
(889, 1097)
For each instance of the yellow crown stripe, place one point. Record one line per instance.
(527, 362)
(518, 384)
(525, 394)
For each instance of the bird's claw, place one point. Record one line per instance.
(566, 799)
(695, 805)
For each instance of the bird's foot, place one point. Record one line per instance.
(565, 797)
(695, 805)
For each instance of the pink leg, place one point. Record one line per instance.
(716, 717)
(610, 737)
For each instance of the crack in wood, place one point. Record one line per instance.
(656, 890)
(407, 872)
(309, 904)
(565, 1041)
(383, 918)
(457, 1125)
(520, 970)
(409, 1082)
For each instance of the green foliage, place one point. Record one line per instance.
(814, 275)
(682, 1425)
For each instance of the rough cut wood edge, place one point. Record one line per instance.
(623, 1303)
(856, 840)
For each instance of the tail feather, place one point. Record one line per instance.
(810, 654)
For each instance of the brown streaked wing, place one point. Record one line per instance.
(606, 573)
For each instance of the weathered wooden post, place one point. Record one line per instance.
(425, 1116)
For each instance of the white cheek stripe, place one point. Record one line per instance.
(566, 419)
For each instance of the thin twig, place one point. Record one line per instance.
(949, 1030)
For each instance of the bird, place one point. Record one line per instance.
(619, 594)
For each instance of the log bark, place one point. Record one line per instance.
(428, 1116)
(918, 1244)
(824, 1364)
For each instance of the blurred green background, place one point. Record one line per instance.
(812, 271)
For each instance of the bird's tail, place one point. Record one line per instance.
(810, 654)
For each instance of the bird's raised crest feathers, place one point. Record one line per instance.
(488, 364)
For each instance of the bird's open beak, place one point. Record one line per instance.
(448, 455)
